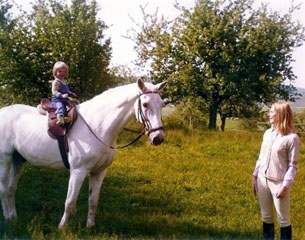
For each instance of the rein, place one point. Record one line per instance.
(101, 141)
(147, 129)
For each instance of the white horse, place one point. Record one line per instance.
(92, 142)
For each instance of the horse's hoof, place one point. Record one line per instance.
(62, 225)
(90, 223)
(11, 217)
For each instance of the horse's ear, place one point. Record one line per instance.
(141, 85)
(160, 86)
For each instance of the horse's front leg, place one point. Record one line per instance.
(77, 177)
(95, 183)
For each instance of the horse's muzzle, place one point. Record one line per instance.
(157, 140)
(156, 136)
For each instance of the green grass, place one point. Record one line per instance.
(193, 186)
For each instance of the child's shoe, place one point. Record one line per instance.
(67, 119)
(61, 121)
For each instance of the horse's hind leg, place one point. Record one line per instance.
(11, 167)
(14, 177)
(5, 165)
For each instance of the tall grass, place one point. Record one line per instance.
(193, 186)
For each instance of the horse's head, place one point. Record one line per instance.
(148, 110)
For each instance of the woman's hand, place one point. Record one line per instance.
(254, 184)
(282, 192)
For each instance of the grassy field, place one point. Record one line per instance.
(194, 186)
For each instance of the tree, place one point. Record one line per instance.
(123, 75)
(5, 6)
(223, 51)
(54, 32)
(7, 24)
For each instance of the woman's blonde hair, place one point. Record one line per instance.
(58, 65)
(283, 118)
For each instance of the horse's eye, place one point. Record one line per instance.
(145, 105)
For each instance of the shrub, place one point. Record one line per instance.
(187, 115)
(252, 124)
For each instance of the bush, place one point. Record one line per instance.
(187, 115)
(251, 124)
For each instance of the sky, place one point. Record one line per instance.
(121, 15)
(118, 15)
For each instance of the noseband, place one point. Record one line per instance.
(145, 121)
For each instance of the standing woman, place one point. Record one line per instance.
(275, 170)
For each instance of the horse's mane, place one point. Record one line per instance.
(115, 95)
(118, 95)
(124, 90)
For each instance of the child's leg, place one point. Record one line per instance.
(60, 119)
(60, 112)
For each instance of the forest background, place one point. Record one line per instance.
(221, 58)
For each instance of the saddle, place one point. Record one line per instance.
(56, 131)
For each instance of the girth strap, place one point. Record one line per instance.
(63, 149)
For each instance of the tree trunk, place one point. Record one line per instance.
(213, 116)
(223, 122)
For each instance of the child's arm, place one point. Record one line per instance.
(55, 87)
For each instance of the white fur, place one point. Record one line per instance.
(24, 130)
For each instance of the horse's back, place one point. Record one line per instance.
(24, 130)
(10, 117)
(15, 111)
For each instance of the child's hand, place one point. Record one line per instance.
(74, 100)
(72, 94)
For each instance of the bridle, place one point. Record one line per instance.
(147, 128)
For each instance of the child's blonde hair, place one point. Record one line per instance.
(58, 65)
(283, 118)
